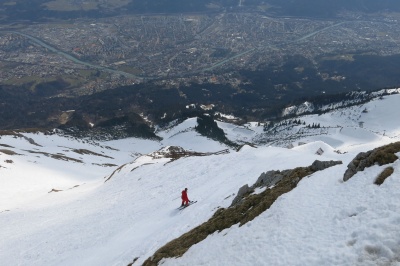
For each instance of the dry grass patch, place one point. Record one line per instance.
(64, 158)
(115, 171)
(105, 164)
(8, 152)
(380, 156)
(383, 157)
(54, 190)
(110, 148)
(385, 154)
(388, 171)
(31, 141)
(58, 156)
(17, 134)
(87, 152)
(6, 146)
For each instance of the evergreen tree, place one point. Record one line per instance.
(206, 126)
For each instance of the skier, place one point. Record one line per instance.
(185, 199)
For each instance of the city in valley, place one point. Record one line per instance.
(93, 55)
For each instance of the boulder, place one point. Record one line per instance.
(242, 191)
(268, 179)
(321, 165)
(359, 163)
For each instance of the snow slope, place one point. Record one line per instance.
(322, 222)
(343, 129)
(92, 221)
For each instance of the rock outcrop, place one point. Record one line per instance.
(380, 156)
(271, 178)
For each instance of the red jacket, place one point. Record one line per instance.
(184, 195)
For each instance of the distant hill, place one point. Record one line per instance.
(325, 8)
(44, 10)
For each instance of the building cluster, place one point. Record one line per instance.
(186, 48)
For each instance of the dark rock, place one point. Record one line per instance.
(242, 192)
(268, 179)
(359, 163)
(321, 165)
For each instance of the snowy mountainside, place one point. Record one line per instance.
(68, 201)
(349, 99)
(130, 215)
(374, 120)
(321, 222)
(29, 161)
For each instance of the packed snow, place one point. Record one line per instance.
(63, 205)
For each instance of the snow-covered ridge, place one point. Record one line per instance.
(351, 98)
(371, 121)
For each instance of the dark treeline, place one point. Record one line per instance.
(262, 95)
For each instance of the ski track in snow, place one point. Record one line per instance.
(92, 222)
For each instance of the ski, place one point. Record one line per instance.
(185, 206)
